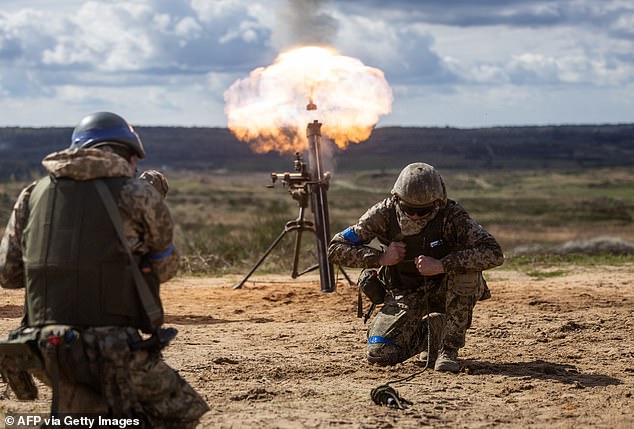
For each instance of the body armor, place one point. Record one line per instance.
(77, 271)
(429, 242)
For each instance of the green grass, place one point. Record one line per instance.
(547, 261)
(220, 248)
(542, 266)
(225, 221)
(537, 274)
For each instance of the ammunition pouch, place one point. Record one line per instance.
(372, 286)
(63, 348)
(19, 354)
(466, 284)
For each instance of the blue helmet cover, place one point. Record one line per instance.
(106, 127)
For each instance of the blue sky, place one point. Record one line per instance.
(458, 63)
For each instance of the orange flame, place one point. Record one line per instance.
(267, 109)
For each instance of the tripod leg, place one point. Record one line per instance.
(262, 258)
(350, 282)
(308, 270)
(298, 243)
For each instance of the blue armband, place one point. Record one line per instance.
(164, 254)
(351, 237)
(375, 339)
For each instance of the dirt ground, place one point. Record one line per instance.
(555, 352)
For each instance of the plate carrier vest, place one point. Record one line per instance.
(77, 271)
(428, 242)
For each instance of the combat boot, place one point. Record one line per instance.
(437, 324)
(447, 361)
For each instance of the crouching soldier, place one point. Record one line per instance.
(431, 267)
(91, 244)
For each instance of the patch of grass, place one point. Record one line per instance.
(225, 221)
(220, 248)
(530, 263)
(9, 192)
(538, 274)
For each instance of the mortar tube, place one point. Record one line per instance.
(320, 208)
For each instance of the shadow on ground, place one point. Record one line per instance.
(541, 370)
(189, 319)
(11, 311)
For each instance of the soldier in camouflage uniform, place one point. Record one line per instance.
(80, 294)
(431, 266)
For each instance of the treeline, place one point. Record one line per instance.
(214, 149)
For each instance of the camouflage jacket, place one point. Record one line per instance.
(473, 248)
(147, 222)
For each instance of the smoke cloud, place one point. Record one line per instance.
(305, 23)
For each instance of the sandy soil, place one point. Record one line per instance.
(556, 352)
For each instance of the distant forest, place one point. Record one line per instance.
(216, 149)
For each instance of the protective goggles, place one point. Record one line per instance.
(417, 211)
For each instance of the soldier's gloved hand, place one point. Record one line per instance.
(394, 254)
(156, 179)
(428, 266)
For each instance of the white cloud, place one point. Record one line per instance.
(532, 67)
(210, 11)
(246, 31)
(538, 69)
(624, 25)
(405, 53)
(507, 104)
(85, 53)
(188, 28)
(372, 40)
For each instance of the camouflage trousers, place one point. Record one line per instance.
(97, 372)
(400, 329)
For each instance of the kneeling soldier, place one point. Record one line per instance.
(91, 244)
(431, 267)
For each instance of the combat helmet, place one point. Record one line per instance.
(419, 185)
(102, 127)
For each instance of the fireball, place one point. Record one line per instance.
(267, 109)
